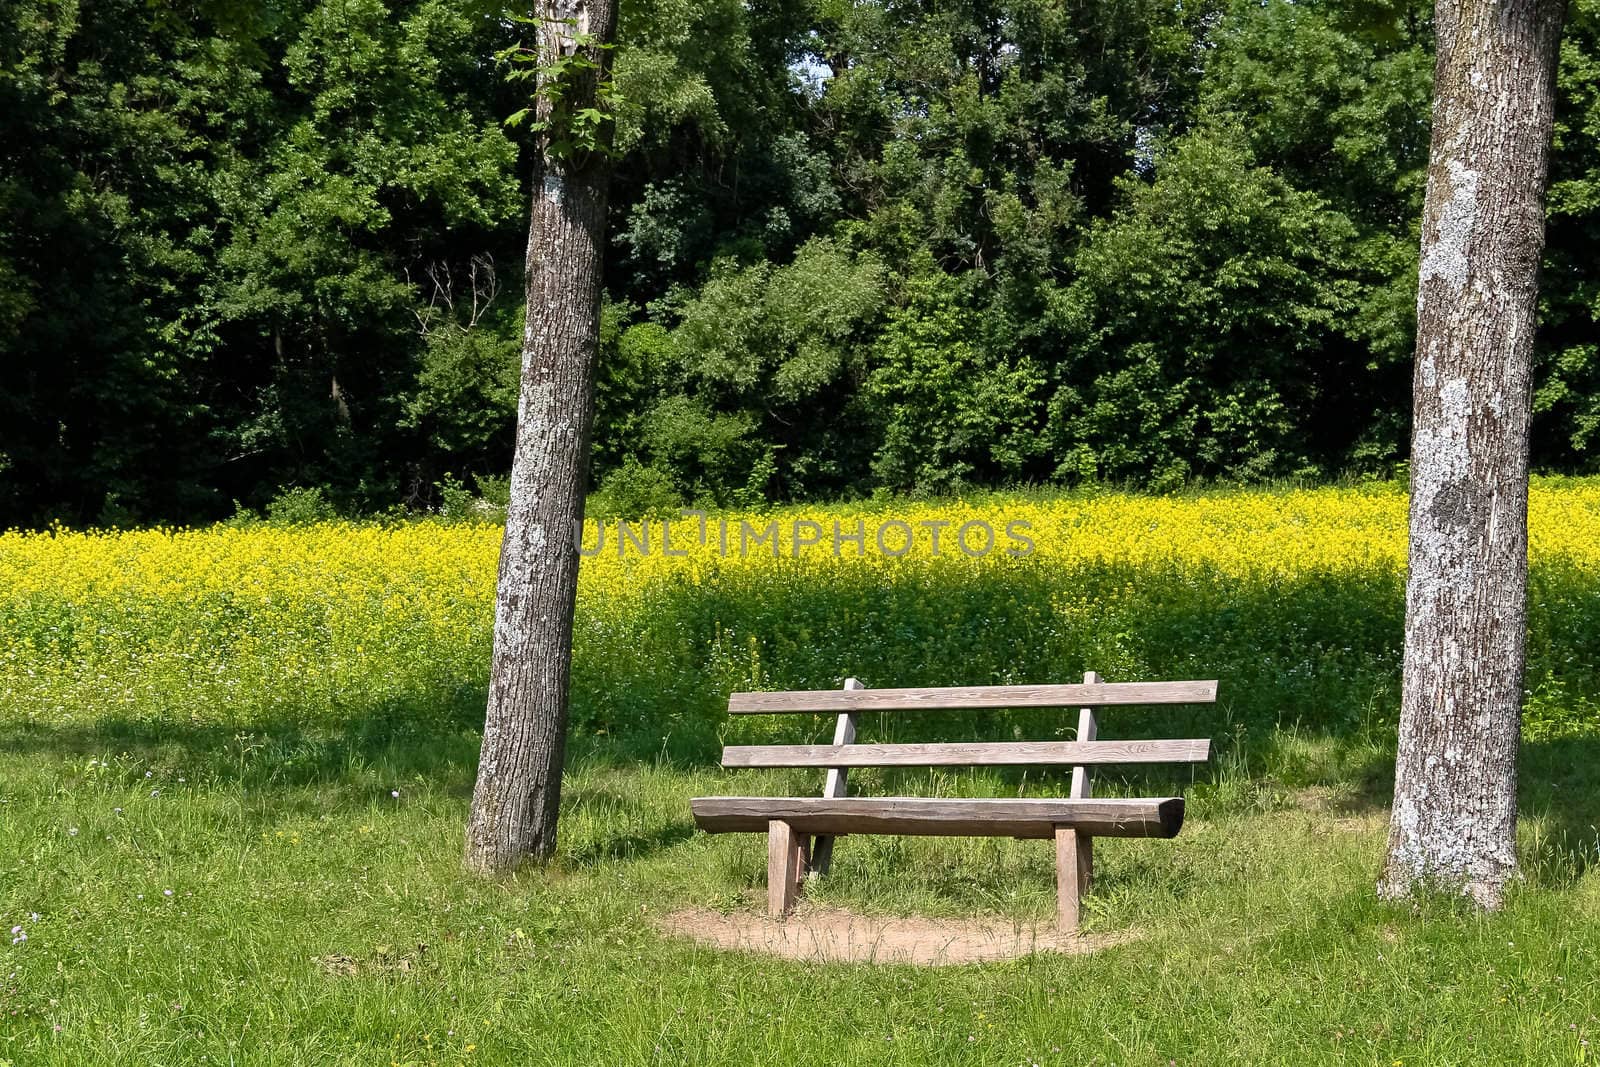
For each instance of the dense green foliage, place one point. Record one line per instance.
(856, 246)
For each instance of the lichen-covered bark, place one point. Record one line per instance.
(518, 791)
(1455, 808)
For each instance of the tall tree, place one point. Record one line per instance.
(518, 792)
(1454, 822)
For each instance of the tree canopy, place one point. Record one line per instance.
(856, 245)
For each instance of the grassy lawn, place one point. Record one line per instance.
(209, 898)
(235, 764)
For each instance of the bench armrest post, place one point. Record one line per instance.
(837, 785)
(1088, 729)
(1074, 848)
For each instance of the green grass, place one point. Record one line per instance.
(237, 737)
(207, 895)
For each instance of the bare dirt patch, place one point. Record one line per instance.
(828, 935)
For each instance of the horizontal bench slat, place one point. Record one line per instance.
(1100, 694)
(1004, 817)
(969, 754)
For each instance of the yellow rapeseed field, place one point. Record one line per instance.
(1238, 533)
(229, 621)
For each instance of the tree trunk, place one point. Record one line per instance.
(518, 792)
(1454, 821)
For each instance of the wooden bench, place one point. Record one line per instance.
(801, 830)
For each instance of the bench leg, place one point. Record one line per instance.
(1074, 867)
(786, 866)
(821, 856)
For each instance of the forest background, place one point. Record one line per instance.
(269, 255)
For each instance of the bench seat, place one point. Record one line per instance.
(962, 817)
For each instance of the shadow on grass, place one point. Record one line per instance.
(394, 742)
(1559, 784)
(626, 844)
(398, 741)
(1343, 764)
(290, 768)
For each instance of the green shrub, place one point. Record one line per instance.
(632, 491)
(297, 506)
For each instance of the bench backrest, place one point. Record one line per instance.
(852, 700)
(1088, 695)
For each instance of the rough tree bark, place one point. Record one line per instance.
(518, 792)
(1454, 821)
